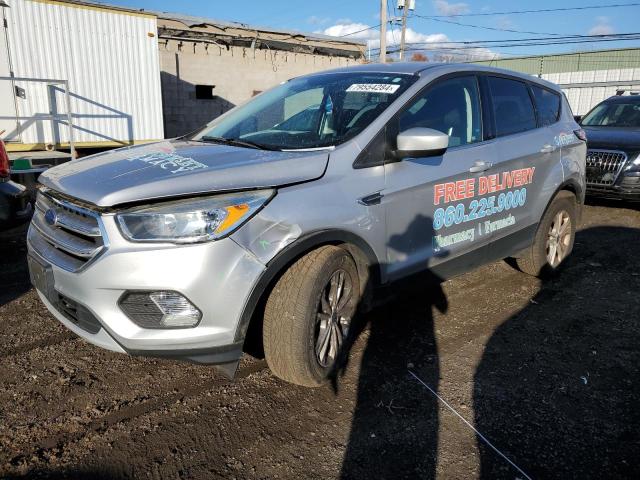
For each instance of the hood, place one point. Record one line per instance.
(174, 168)
(618, 138)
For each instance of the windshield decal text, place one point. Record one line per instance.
(373, 88)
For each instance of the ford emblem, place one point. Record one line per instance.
(51, 217)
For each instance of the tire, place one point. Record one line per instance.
(536, 260)
(296, 315)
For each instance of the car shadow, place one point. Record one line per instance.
(14, 281)
(394, 430)
(558, 386)
(612, 203)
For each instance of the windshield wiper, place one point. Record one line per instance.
(237, 142)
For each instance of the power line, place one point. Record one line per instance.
(359, 31)
(551, 40)
(434, 46)
(496, 29)
(543, 10)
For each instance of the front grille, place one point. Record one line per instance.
(64, 233)
(604, 166)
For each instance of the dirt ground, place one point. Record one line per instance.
(548, 372)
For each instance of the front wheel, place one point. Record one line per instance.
(308, 315)
(554, 239)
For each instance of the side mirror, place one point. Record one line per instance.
(577, 118)
(421, 142)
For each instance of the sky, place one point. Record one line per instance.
(340, 17)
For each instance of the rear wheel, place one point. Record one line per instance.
(308, 315)
(554, 239)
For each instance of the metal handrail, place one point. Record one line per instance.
(53, 81)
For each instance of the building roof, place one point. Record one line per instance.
(619, 58)
(193, 28)
(192, 21)
(175, 26)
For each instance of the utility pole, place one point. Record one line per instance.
(404, 5)
(383, 31)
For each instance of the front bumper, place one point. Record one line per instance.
(217, 277)
(627, 187)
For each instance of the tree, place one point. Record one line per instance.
(419, 57)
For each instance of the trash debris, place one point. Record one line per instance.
(585, 378)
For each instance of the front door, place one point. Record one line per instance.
(432, 205)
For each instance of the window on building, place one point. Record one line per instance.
(451, 107)
(547, 104)
(512, 107)
(205, 92)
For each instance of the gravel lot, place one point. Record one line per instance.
(548, 372)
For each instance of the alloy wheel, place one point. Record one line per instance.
(559, 238)
(333, 317)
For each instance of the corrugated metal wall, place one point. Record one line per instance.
(582, 74)
(110, 59)
(584, 89)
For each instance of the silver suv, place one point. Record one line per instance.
(283, 216)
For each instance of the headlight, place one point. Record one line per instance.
(189, 221)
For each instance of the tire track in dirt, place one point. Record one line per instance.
(42, 343)
(184, 388)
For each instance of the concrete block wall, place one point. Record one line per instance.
(237, 74)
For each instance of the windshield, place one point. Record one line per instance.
(309, 112)
(614, 115)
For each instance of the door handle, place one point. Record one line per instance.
(548, 149)
(480, 166)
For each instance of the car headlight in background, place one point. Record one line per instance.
(193, 220)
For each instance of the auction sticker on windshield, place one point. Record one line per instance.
(373, 88)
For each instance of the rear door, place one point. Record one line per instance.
(526, 154)
(428, 214)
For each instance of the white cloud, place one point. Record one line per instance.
(417, 42)
(350, 29)
(450, 9)
(602, 27)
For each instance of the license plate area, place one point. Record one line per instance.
(41, 275)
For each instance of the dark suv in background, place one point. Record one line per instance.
(15, 206)
(613, 142)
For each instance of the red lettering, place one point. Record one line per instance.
(460, 193)
(438, 193)
(493, 183)
(507, 180)
(530, 172)
(517, 178)
(482, 186)
(449, 192)
(471, 187)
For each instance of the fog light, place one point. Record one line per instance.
(163, 309)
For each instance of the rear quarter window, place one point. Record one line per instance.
(512, 107)
(547, 104)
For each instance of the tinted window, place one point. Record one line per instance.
(616, 114)
(547, 104)
(512, 106)
(451, 107)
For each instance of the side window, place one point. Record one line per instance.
(512, 107)
(547, 104)
(452, 107)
